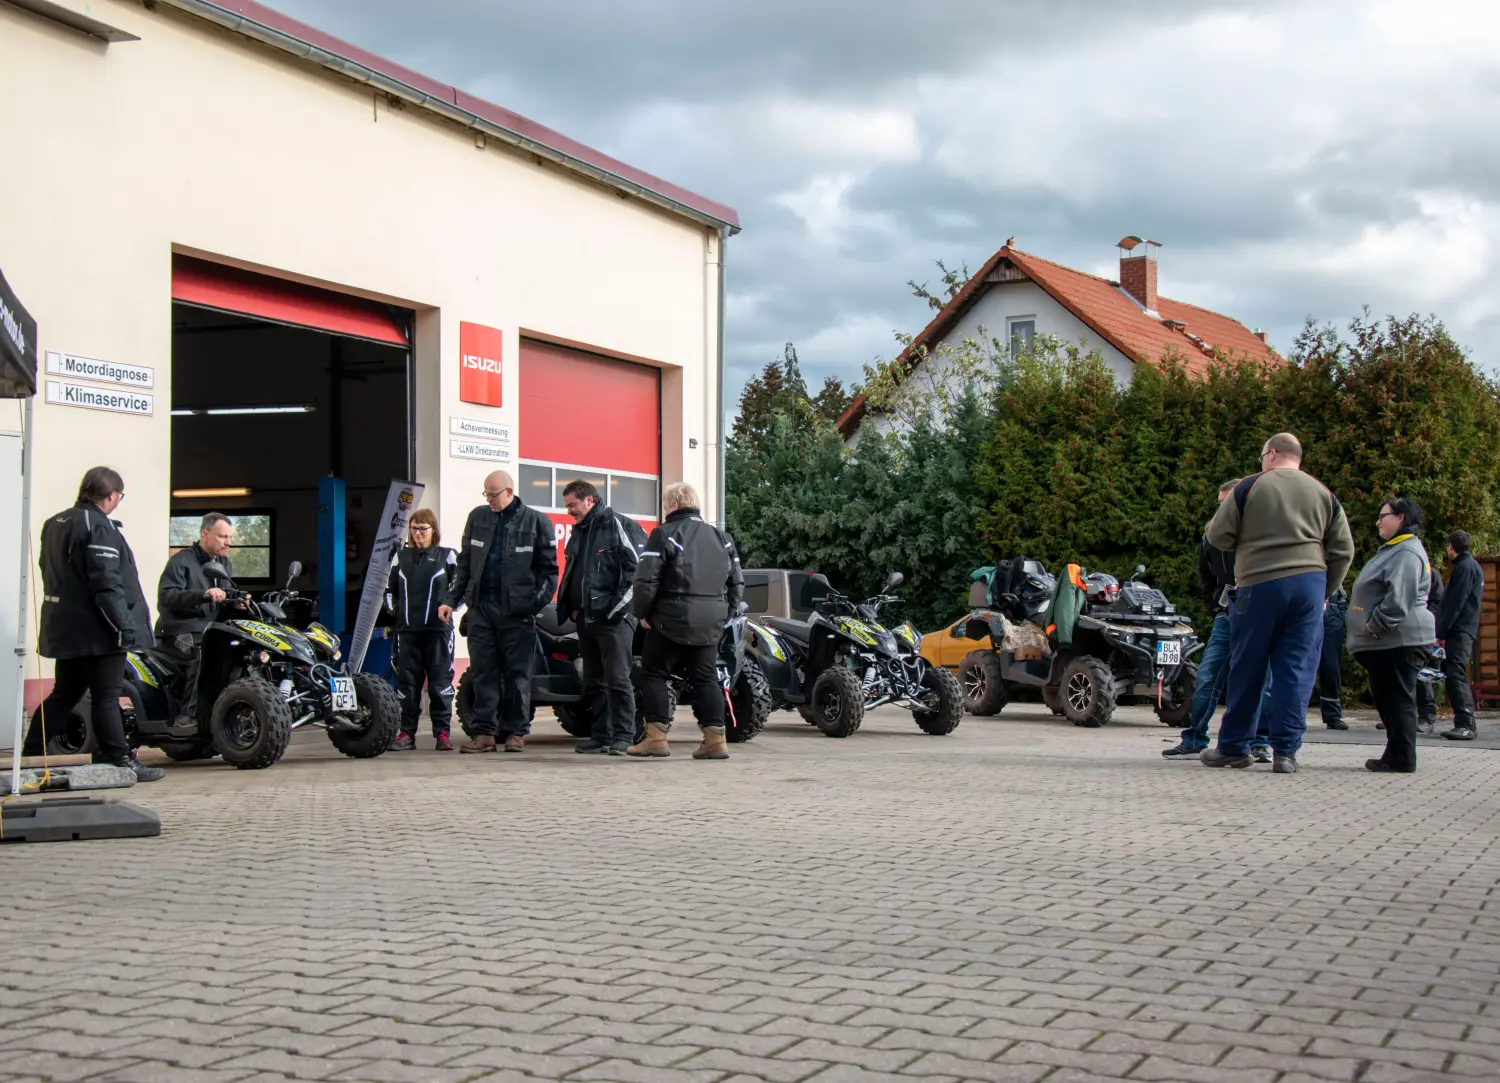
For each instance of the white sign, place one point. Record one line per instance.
(400, 502)
(107, 372)
(472, 449)
(63, 393)
(484, 430)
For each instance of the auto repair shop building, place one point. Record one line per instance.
(259, 256)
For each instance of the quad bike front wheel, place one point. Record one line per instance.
(1088, 692)
(379, 718)
(72, 735)
(949, 709)
(982, 679)
(751, 700)
(576, 719)
(838, 702)
(251, 724)
(1052, 697)
(1176, 705)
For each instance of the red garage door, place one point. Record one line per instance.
(591, 417)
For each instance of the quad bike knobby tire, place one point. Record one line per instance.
(576, 719)
(1176, 705)
(251, 724)
(1052, 697)
(379, 710)
(838, 702)
(187, 751)
(463, 707)
(72, 735)
(982, 679)
(751, 700)
(807, 714)
(949, 712)
(1088, 692)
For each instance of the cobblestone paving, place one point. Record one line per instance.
(1018, 902)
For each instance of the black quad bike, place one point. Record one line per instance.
(556, 678)
(1128, 646)
(842, 661)
(259, 680)
(557, 681)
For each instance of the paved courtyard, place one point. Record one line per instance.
(1021, 901)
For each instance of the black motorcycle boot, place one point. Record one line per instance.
(143, 773)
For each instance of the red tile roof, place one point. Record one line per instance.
(1191, 333)
(494, 114)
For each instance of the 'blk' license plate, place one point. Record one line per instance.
(1168, 653)
(344, 699)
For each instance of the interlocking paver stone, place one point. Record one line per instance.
(1020, 901)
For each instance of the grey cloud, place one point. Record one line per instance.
(681, 87)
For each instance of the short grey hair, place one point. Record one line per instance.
(681, 495)
(213, 519)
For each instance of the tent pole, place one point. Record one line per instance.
(22, 634)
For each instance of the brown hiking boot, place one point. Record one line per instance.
(515, 743)
(655, 743)
(484, 742)
(714, 746)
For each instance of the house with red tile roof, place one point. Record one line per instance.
(1017, 296)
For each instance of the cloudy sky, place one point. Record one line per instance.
(1295, 158)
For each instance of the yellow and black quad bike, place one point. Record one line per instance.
(259, 680)
(842, 661)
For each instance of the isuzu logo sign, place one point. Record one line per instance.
(480, 373)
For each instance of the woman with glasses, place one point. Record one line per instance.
(420, 578)
(1391, 630)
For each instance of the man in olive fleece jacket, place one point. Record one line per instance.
(1292, 549)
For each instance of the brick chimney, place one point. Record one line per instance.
(1138, 271)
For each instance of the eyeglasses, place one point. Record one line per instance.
(421, 530)
(1388, 515)
(490, 496)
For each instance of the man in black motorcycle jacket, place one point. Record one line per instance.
(597, 586)
(415, 592)
(506, 574)
(187, 602)
(687, 584)
(93, 611)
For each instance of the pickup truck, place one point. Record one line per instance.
(771, 592)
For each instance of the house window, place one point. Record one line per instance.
(1022, 334)
(251, 554)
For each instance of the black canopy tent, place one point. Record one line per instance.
(68, 817)
(18, 381)
(17, 346)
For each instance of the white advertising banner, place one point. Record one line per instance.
(400, 502)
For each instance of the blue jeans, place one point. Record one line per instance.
(1276, 629)
(1213, 675)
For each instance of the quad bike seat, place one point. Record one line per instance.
(548, 622)
(792, 629)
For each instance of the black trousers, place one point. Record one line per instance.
(1459, 649)
(1393, 684)
(501, 651)
(606, 679)
(425, 656)
(101, 676)
(661, 659)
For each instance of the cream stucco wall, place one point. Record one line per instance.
(199, 141)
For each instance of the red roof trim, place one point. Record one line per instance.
(1104, 309)
(538, 133)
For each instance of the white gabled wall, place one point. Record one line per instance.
(990, 316)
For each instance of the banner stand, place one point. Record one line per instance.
(25, 818)
(400, 501)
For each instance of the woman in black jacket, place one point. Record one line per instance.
(421, 576)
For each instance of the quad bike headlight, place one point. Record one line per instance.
(263, 657)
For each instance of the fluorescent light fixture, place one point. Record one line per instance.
(228, 411)
(189, 494)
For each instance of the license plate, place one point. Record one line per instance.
(1169, 653)
(344, 699)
